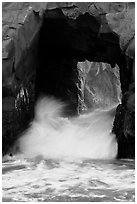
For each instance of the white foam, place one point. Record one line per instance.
(52, 136)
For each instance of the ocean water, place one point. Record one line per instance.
(67, 159)
(57, 180)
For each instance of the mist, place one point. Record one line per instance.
(51, 135)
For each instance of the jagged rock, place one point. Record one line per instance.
(124, 127)
(123, 24)
(88, 33)
(98, 8)
(17, 18)
(124, 132)
(99, 85)
(130, 51)
(17, 35)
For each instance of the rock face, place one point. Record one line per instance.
(43, 44)
(99, 86)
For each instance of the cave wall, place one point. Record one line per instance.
(65, 44)
(21, 25)
(99, 86)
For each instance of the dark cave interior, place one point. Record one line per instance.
(63, 43)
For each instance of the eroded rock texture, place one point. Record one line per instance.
(99, 85)
(45, 44)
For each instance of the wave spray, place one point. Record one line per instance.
(51, 135)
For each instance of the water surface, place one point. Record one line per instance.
(68, 180)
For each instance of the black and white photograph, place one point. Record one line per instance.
(68, 101)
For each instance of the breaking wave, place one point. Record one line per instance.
(51, 135)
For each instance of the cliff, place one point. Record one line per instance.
(43, 45)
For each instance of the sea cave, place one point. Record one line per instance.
(77, 52)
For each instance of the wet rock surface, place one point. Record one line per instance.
(99, 86)
(124, 125)
(98, 32)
